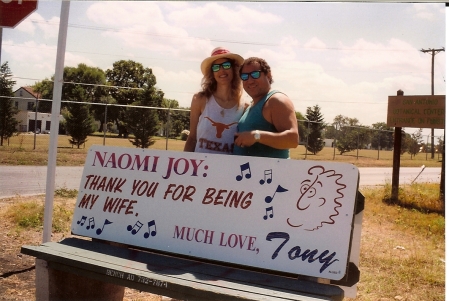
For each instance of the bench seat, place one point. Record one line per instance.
(175, 277)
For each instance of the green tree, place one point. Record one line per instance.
(382, 136)
(351, 134)
(143, 122)
(79, 121)
(91, 79)
(414, 143)
(405, 138)
(179, 118)
(132, 78)
(8, 122)
(44, 90)
(364, 136)
(315, 126)
(347, 139)
(302, 130)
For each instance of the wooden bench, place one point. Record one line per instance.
(187, 226)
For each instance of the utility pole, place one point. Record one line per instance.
(433, 52)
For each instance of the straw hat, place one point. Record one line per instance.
(219, 53)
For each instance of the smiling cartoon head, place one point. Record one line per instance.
(319, 200)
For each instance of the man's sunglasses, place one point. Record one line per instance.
(254, 74)
(225, 66)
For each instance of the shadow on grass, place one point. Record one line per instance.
(413, 206)
(423, 197)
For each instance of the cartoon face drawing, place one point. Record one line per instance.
(321, 194)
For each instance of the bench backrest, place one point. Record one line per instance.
(289, 216)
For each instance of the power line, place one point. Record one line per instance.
(120, 87)
(97, 103)
(89, 27)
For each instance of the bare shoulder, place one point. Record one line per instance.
(199, 98)
(279, 100)
(198, 102)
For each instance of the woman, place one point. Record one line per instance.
(216, 110)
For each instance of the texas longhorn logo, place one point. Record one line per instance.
(220, 127)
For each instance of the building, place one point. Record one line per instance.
(328, 142)
(29, 120)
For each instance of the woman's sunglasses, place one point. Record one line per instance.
(254, 74)
(225, 66)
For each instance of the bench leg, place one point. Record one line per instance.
(63, 286)
(41, 280)
(66, 286)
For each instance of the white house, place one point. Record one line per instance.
(29, 121)
(329, 142)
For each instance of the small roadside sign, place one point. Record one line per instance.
(417, 111)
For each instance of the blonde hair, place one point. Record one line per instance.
(209, 84)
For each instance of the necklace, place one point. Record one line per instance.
(220, 103)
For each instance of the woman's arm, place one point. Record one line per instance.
(196, 108)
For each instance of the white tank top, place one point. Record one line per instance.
(216, 128)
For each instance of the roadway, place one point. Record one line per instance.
(31, 180)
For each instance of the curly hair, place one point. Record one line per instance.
(209, 84)
(264, 67)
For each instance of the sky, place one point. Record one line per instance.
(345, 57)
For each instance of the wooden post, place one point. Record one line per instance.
(443, 176)
(396, 159)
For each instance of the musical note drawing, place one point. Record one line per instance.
(82, 220)
(268, 172)
(91, 224)
(106, 222)
(153, 233)
(244, 167)
(134, 229)
(267, 210)
(268, 199)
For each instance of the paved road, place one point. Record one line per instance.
(31, 180)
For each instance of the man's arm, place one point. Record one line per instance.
(280, 112)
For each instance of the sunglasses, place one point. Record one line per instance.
(225, 66)
(254, 74)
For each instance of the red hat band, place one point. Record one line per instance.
(220, 51)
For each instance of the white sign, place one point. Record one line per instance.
(278, 214)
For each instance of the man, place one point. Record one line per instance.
(268, 128)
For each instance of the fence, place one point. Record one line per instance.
(372, 134)
(167, 127)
